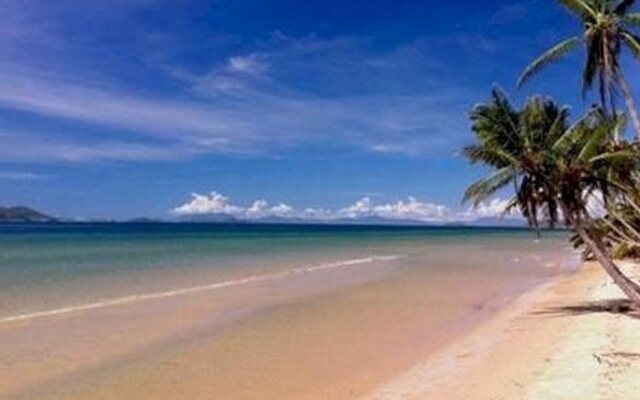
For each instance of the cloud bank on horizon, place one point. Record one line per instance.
(410, 209)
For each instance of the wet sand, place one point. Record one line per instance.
(335, 334)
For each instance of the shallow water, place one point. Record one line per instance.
(46, 269)
(110, 311)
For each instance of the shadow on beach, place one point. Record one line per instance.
(613, 306)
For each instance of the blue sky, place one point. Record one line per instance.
(118, 109)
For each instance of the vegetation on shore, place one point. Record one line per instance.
(584, 173)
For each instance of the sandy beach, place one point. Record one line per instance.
(563, 340)
(367, 340)
(266, 313)
(335, 334)
(319, 200)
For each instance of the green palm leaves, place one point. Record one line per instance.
(553, 54)
(546, 159)
(557, 168)
(607, 29)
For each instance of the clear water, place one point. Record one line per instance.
(48, 266)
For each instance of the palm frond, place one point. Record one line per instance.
(633, 41)
(495, 122)
(575, 131)
(580, 8)
(596, 141)
(500, 99)
(551, 55)
(489, 155)
(482, 189)
(620, 155)
(558, 127)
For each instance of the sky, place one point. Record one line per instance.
(126, 108)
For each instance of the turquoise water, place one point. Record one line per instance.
(44, 267)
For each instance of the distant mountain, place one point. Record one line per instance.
(503, 222)
(375, 220)
(369, 220)
(23, 214)
(26, 214)
(210, 218)
(481, 222)
(144, 220)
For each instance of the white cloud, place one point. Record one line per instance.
(262, 208)
(493, 208)
(319, 214)
(215, 203)
(415, 210)
(41, 147)
(250, 121)
(251, 64)
(410, 209)
(258, 207)
(286, 92)
(20, 176)
(281, 210)
(361, 208)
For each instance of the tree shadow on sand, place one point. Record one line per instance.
(613, 306)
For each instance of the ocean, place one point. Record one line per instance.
(50, 269)
(246, 311)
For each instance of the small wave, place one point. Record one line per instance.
(194, 289)
(346, 263)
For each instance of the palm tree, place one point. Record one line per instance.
(607, 29)
(554, 167)
(621, 223)
(618, 230)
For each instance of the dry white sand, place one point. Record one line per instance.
(559, 341)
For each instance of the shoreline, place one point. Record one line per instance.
(311, 330)
(180, 291)
(558, 341)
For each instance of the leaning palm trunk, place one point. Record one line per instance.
(601, 254)
(552, 165)
(628, 287)
(631, 104)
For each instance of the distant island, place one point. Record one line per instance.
(23, 214)
(220, 218)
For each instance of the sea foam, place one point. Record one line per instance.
(134, 298)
